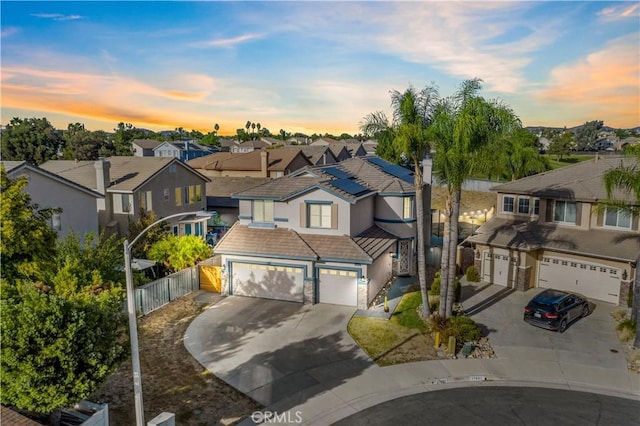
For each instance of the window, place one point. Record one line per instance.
(178, 196)
(523, 206)
(565, 211)
(166, 194)
(187, 229)
(536, 206)
(320, 215)
(192, 194)
(407, 207)
(145, 200)
(198, 193)
(507, 204)
(615, 218)
(126, 203)
(56, 222)
(185, 195)
(263, 210)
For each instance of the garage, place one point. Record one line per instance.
(268, 281)
(596, 281)
(338, 287)
(498, 267)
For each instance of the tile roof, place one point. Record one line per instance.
(527, 236)
(581, 181)
(10, 165)
(18, 165)
(278, 242)
(279, 160)
(8, 417)
(147, 143)
(126, 173)
(225, 186)
(366, 174)
(313, 152)
(286, 243)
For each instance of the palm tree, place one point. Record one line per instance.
(626, 178)
(407, 134)
(517, 156)
(462, 125)
(258, 126)
(248, 125)
(216, 128)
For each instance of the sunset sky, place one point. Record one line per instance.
(312, 67)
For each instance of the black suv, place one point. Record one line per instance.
(555, 309)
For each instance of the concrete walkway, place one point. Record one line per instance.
(299, 359)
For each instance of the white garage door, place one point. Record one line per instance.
(338, 287)
(593, 280)
(498, 267)
(267, 281)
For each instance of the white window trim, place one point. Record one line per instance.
(517, 207)
(504, 197)
(533, 208)
(616, 226)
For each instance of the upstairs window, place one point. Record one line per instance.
(508, 204)
(178, 196)
(320, 215)
(536, 206)
(407, 208)
(145, 200)
(263, 211)
(614, 218)
(126, 203)
(564, 211)
(523, 205)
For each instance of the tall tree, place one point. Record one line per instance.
(561, 145)
(82, 144)
(626, 179)
(412, 115)
(259, 126)
(33, 140)
(123, 138)
(587, 135)
(28, 241)
(152, 236)
(247, 126)
(463, 125)
(216, 127)
(517, 156)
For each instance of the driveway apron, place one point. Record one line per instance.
(270, 349)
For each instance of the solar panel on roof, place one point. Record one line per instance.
(397, 171)
(378, 161)
(340, 174)
(349, 186)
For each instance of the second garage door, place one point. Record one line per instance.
(590, 279)
(267, 281)
(337, 286)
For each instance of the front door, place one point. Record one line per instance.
(404, 257)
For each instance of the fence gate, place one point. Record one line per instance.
(211, 278)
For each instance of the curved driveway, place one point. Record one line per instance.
(296, 357)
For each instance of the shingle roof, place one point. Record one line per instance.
(527, 236)
(286, 243)
(225, 186)
(147, 143)
(8, 417)
(10, 165)
(581, 182)
(313, 152)
(18, 165)
(126, 173)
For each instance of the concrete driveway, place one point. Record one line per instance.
(590, 341)
(271, 349)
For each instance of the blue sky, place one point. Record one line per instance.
(312, 66)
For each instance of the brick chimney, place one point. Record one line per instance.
(264, 163)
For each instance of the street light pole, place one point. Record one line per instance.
(133, 320)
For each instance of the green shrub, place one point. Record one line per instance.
(434, 290)
(626, 324)
(464, 329)
(472, 274)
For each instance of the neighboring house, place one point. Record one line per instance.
(265, 163)
(144, 147)
(227, 144)
(317, 155)
(249, 146)
(165, 186)
(340, 151)
(334, 234)
(370, 146)
(184, 150)
(299, 140)
(49, 190)
(324, 141)
(551, 232)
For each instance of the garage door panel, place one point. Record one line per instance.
(268, 281)
(595, 281)
(338, 287)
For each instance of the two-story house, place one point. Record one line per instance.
(332, 234)
(164, 186)
(144, 147)
(319, 155)
(49, 190)
(184, 150)
(552, 230)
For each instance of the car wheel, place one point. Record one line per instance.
(563, 326)
(585, 310)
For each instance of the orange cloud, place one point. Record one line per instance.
(606, 82)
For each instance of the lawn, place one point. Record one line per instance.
(567, 160)
(402, 338)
